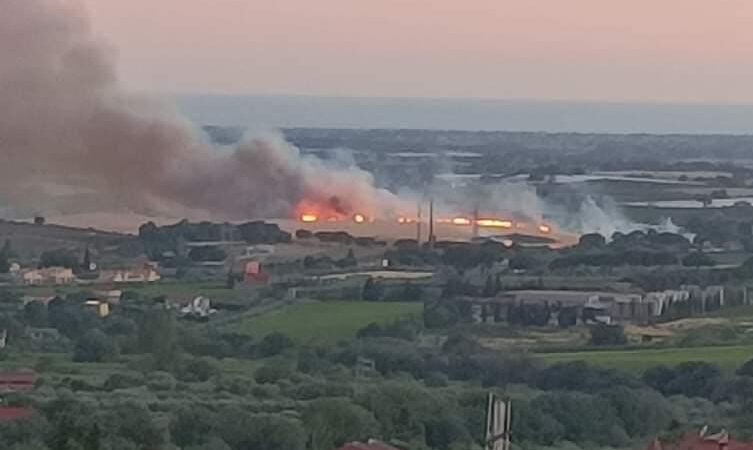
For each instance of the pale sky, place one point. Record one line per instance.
(635, 50)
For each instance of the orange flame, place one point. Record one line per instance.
(359, 218)
(494, 223)
(545, 228)
(309, 218)
(461, 221)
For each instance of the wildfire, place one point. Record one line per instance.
(309, 218)
(461, 221)
(545, 228)
(494, 223)
(359, 218)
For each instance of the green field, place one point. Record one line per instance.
(327, 321)
(636, 361)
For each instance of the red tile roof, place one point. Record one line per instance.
(14, 413)
(17, 380)
(694, 441)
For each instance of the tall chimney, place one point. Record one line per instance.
(418, 223)
(432, 238)
(475, 221)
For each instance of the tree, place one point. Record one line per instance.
(122, 381)
(35, 314)
(190, 425)
(231, 279)
(602, 334)
(87, 263)
(694, 379)
(592, 240)
(7, 249)
(440, 314)
(659, 377)
(58, 258)
(489, 288)
(273, 372)
(372, 291)
(200, 369)
(332, 422)
(69, 318)
(207, 253)
(411, 292)
(241, 430)
(274, 343)
(523, 261)
(95, 346)
(158, 336)
(746, 370)
(444, 430)
(698, 259)
(348, 261)
(136, 422)
(5, 255)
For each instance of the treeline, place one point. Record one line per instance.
(637, 248)
(168, 240)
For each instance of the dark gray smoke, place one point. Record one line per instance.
(66, 125)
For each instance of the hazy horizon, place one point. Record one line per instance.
(268, 111)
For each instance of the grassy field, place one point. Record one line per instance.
(327, 321)
(636, 361)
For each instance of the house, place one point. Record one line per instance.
(254, 275)
(146, 274)
(701, 441)
(99, 307)
(10, 413)
(49, 275)
(17, 381)
(198, 308)
(371, 444)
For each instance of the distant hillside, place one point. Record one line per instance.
(28, 241)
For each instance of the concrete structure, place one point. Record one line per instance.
(605, 307)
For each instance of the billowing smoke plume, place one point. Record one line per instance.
(65, 123)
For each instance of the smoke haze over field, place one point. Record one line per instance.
(65, 125)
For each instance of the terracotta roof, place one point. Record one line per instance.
(17, 380)
(694, 441)
(17, 377)
(14, 413)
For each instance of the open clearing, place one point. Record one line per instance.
(327, 321)
(636, 361)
